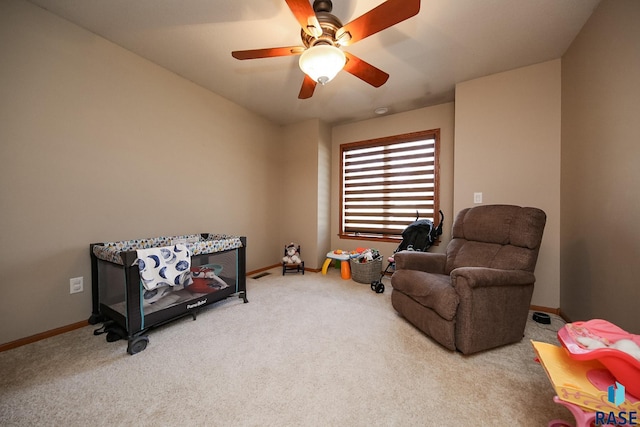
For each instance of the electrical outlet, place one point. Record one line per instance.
(477, 197)
(76, 284)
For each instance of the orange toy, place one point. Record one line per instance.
(343, 257)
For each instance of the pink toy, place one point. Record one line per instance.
(577, 337)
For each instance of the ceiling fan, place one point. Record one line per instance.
(323, 34)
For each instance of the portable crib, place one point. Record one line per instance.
(119, 296)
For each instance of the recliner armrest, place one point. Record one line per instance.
(429, 262)
(482, 276)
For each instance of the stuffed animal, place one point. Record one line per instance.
(369, 255)
(292, 255)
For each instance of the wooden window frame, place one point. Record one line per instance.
(388, 235)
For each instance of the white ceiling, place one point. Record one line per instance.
(448, 42)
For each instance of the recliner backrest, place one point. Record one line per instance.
(496, 236)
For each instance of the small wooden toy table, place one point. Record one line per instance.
(345, 268)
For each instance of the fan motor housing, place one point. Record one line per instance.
(329, 24)
(322, 6)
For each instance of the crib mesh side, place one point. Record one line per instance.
(112, 285)
(213, 273)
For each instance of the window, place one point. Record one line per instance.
(385, 183)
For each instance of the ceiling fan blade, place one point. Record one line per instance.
(308, 86)
(377, 19)
(268, 52)
(306, 17)
(365, 71)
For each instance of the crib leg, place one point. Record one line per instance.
(96, 318)
(243, 295)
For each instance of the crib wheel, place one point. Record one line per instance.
(137, 344)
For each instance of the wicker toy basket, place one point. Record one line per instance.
(366, 272)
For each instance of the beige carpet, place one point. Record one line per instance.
(305, 351)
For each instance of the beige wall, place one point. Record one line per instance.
(508, 147)
(323, 244)
(437, 117)
(305, 177)
(98, 144)
(600, 237)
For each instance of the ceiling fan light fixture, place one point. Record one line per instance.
(322, 62)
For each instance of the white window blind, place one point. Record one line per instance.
(387, 182)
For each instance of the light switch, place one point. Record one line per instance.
(477, 197)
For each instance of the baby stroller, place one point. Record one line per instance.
(420, 235)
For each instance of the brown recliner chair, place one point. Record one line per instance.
(477, 295)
